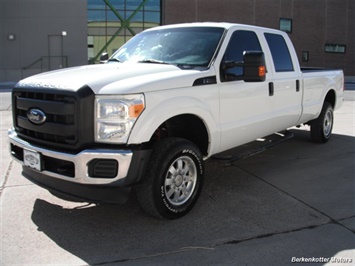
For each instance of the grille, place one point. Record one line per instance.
(67, 123)
(60, 112)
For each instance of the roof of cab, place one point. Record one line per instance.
(225, 25)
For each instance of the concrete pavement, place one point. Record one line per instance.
(292, 203)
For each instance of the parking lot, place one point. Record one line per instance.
(293, 203)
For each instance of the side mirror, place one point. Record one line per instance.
(253, 65)
(103, 58)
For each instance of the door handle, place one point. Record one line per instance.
(297, 85)
(271, 88)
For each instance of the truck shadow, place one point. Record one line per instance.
(246, 200)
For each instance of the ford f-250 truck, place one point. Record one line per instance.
(167, 100)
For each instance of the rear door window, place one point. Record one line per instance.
(280, 53)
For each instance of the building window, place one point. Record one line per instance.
(335, 48)
(286, 25)
(305, 56)
(111, 23)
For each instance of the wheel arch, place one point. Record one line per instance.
(183, 117)
(330, 97)
(187, 126)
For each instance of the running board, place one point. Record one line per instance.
(252, 148)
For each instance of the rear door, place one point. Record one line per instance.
(285, 88)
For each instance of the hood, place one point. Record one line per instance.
(114, 78)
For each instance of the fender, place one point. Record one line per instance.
(316, 90)
(330, 86)
(165, 108)
(336, 84)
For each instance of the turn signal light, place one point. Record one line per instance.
(135, 110)
(262, 71)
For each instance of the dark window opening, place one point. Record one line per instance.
(280, 53)
(240, 41)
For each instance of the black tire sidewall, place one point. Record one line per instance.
(317, 126)
(327, 109)
(164, 207)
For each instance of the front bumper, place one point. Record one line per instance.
(70, 174)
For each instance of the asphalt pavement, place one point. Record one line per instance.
(293, 203)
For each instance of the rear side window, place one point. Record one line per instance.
(240, 41)
(280, 53)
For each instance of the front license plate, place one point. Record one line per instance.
(32, 159)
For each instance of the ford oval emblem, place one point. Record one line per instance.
(36, 116)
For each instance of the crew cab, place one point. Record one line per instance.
(162, 104)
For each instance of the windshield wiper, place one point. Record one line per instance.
(114, 60)
(154, 61)
(186, 66)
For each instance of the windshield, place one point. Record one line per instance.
(190, 46)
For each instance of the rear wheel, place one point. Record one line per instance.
(321, 128)
(174, 179)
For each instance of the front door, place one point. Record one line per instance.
(245, 107)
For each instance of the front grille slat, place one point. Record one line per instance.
(62, 129)
(47, 128)
(52, 107)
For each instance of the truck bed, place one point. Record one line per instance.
(316, 69)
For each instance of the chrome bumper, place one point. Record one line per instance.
(80, 160)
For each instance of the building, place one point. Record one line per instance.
(111, 23)
(42, 35)
(322, 31)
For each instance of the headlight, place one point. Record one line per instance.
(115, 116)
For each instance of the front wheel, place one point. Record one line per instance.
(174, 179)
(321, 128)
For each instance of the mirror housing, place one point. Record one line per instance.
(103, 58)
(253, 64)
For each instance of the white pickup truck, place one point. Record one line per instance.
(167, 100)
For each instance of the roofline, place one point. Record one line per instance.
(225, 25)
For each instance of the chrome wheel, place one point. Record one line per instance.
(180, 180)
(174, 179)
(321, 128)
(328, 123)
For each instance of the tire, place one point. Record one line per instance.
(174, 179)
(321, 128)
